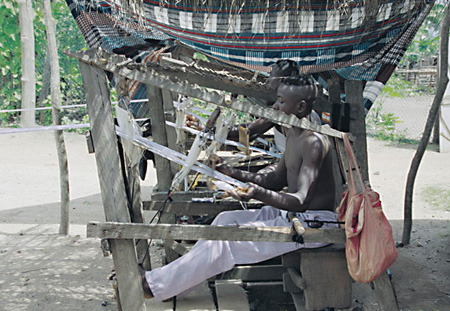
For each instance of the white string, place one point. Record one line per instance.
(44, 128)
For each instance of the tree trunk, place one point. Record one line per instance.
(442, 85)
(45, 89)
(56, 113)
(28, 63)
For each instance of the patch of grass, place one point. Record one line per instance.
(437, 197)
(444, 234)
(382, 126)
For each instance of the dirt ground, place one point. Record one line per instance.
(41, 270)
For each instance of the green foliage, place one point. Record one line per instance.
(201, 56)
(10, 60)
(426, 41)
(68, 37)
(399, 87)
(381, 125)
(424, 45)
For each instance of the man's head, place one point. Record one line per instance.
(281, 69)
(296, 95)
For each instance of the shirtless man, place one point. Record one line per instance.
(283, 68)
(306, 170)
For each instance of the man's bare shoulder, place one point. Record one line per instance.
(313, 142)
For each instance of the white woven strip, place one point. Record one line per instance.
(178, 158)
(226, 141)
(44, 128)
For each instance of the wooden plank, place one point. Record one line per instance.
(321, 104)
(256, 273)
(231, 297)
(159, 136)
(135, 191)
(327, 282)
(150, 76)
(114, 230)
(199, 299)
(289, 286)
(112, 184)
(334, 91)
(384, 290)
(197, 208)
(177, 247)
(130, 157)
(354, 97)
(296, 278)
(182, 195)
(169, 115)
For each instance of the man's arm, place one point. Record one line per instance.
(274, 180)
(256, 129)
(299, 200)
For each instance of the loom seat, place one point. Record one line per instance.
(317, 278)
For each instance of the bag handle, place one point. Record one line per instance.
(351, 159)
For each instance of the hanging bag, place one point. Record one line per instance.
(370, 247)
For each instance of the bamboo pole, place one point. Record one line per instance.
(28, 63)
(56, 113)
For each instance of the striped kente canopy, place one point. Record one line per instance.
(349, 40)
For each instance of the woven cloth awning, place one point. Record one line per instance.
(349, 40)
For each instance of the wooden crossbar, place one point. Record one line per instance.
(116, 230)
(139, 72)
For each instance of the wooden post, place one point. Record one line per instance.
(131, 178)
(156, 104)
(159, 134)
(334, 96)
(169, 113)
(385, 293)
(112, 184)
(354, 97)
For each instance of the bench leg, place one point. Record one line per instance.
(384, 290)
(327, 282)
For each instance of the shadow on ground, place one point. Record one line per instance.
(41, 270)
(89, 208)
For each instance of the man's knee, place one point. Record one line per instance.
(224, 218)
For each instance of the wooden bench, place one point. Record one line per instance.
(318, 278)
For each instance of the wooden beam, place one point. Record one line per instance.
(385, 293)
(354, 97)
(130, 155)
(182, 195)
(256, 273)
(159, 135)
(177, 72)
(160, 79)
(196, 208)
(231, 297)
(115, 230)
(169, 115)
(112, 184)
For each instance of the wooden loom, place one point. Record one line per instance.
(182, 75)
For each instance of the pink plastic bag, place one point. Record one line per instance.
(370, 246)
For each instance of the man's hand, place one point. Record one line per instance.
(244, 193)
(218, 164)
(193, 122)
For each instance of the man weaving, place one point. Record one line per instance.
(306, 170)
